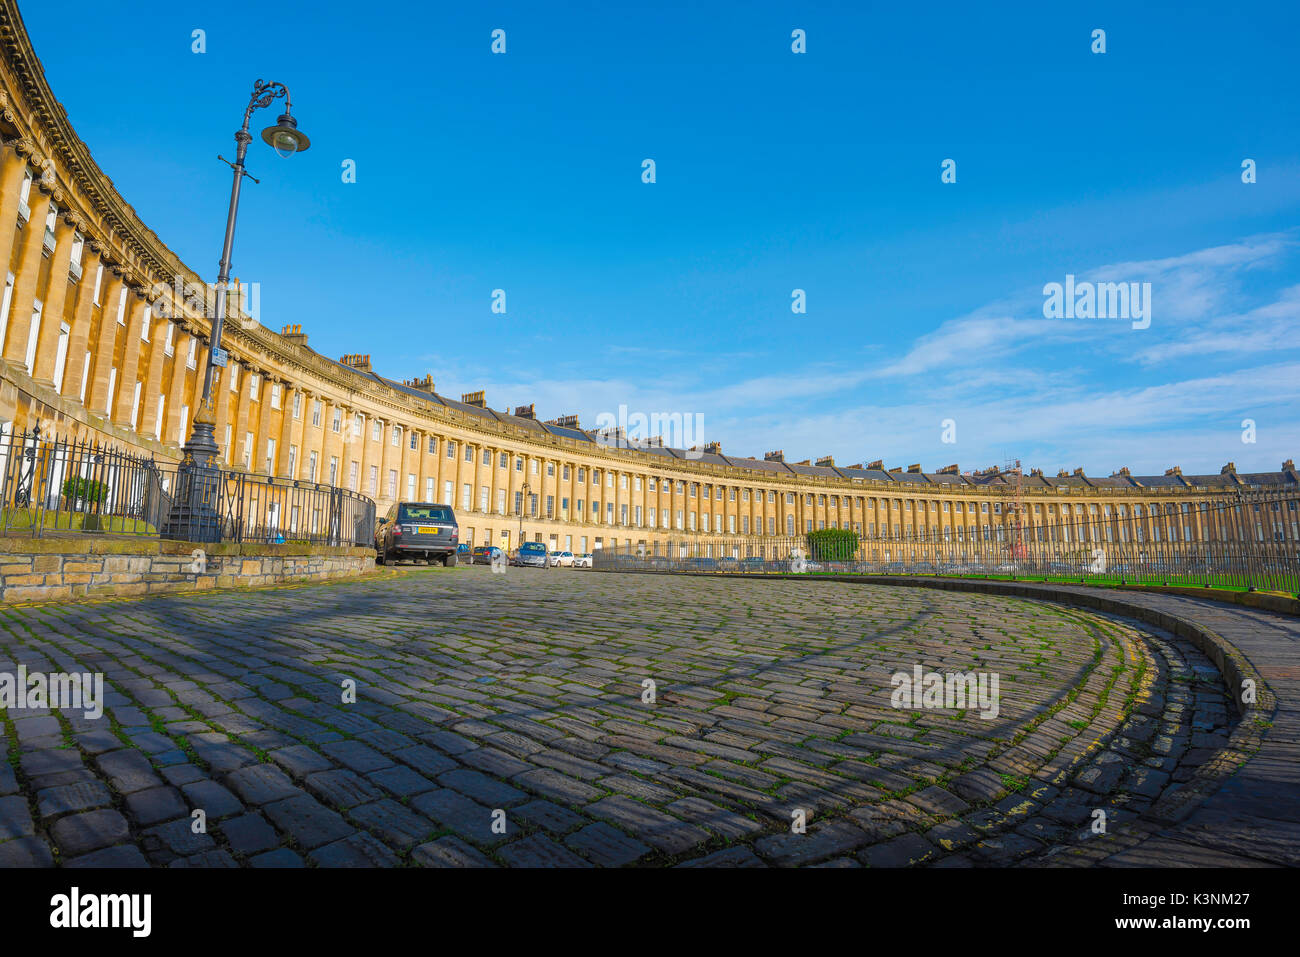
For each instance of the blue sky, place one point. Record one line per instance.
(775, 171)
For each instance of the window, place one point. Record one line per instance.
(376, 430)
(534, 466)
(433, 445)
(145, 323)
(397, 436)
(312, 463)
(446, 492)
(316, 407)
(334, 470)
(234, 376)
(503, 460)
(415, 444)
(254, 385)
(451, 450)
(121, 307)
(248, 449)
(410, 486)
(550, 469)
(469, 454)
(158, 421)
(487, 458)
(501, 501)
(276, 391)
(169, 340)
(270, 456)
(374, 480)
(483, 498)
(466, 496)
(182, 426)
(192, 355)
(428, 489)
(293, 461)
(297, 405)
(392, 483)
(358, 425)
(336, 421)
(353, 476)
(135, 405)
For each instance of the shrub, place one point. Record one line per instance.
(79, 489)
(833, 545)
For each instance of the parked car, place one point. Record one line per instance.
(484, 554)
(418, 531)
(582, 560)
(561, 559)
(534, 554)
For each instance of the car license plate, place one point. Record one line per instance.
(424, 530)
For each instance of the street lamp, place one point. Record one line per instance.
(193, 514)
(523, 503)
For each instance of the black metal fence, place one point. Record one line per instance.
(1245, 540)
(57, 486)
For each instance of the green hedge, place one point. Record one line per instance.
(833, 545)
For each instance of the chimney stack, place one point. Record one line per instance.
(294, 334)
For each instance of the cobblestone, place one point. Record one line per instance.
(772, 697)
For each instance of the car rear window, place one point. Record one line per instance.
(532, 547)
(424, 513)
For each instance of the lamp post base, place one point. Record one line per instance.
(193, 516)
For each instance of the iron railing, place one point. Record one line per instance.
(56, 486)
(1246, 540)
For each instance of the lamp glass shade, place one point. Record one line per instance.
(285, 137)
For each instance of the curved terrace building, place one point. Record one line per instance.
(99, 339)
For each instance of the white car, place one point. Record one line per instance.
(562, 558)
(582, 561)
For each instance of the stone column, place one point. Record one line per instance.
(80, 334)
(13, 166)
(240, 424)
(104, 349)
(126, 378)
(263, 434)
(151, 389)
(29, 268)
(287, 430)
(221, 400)
(56, 293)
(172, 425)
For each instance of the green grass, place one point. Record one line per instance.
(24, 519)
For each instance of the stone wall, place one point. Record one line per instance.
(53, 569)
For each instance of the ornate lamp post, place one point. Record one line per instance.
(193, 514)
(523, 504)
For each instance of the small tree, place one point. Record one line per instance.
(833, 545)
(84, 491)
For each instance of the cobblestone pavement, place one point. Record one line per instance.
(499, 720)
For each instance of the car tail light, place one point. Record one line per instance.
(397, 531)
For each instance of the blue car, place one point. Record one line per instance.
(534, 553)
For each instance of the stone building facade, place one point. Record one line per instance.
(101, 337)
